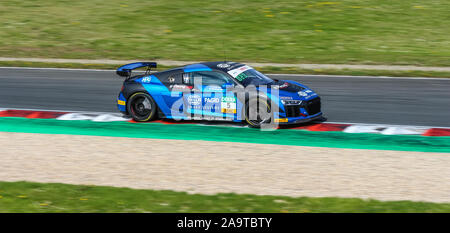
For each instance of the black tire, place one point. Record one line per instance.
(265, 116)
(141, 107)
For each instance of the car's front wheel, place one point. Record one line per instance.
(258, 113)
(141, 107)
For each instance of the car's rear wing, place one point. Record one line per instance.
(125, 70)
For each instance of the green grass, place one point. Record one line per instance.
(266, 69)
(39, 197)
(346, 31)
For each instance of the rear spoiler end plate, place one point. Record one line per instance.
(125, 70)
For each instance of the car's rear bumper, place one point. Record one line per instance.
(121, 103)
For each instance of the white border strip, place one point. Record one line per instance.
(350, 76)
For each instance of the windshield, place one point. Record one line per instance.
(253, 77)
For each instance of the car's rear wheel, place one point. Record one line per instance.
(141, 107)
(258, 113)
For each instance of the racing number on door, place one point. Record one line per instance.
(228, 104)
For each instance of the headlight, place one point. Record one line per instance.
(291, 102)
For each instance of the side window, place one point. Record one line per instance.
(187, 79)
(209, 78)
(175, 79)
(192, 78)
(206, 78)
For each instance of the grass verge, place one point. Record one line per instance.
(41, 197)
(345, 32)
(266, 69)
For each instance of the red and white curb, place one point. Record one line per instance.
(62, 115)
(342, 127)
(378, 129)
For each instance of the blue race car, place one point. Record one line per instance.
(227, 91)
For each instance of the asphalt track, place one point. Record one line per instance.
(397, 101)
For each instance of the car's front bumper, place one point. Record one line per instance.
(297, 120)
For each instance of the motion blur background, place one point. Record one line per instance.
(349, 31)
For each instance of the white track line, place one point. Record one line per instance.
(350, 76)
(292, 75)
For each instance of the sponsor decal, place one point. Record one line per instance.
(180, 87)
(306, 93)
(228, 104)
(284, 85)
(291, 102)
(241, 77)
(212, 100)
(281, 120)
(235, 72)
(223, 65)
(210, 107)
(120, 102)
(146, 79)
(302, 93)
(212, 88)
(285, 97)
(194, 99)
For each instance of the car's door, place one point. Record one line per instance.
(212, 96)
(174, 98)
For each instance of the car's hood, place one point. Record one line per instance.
(288, 90)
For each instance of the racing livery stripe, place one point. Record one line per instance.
(319, 127)
(196, 67)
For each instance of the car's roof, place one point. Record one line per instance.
(224, 66)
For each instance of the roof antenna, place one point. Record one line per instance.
(224, 52)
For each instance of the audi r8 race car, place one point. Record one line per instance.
(215, 91)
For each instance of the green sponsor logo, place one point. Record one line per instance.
(241, 77)
(228, 99)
